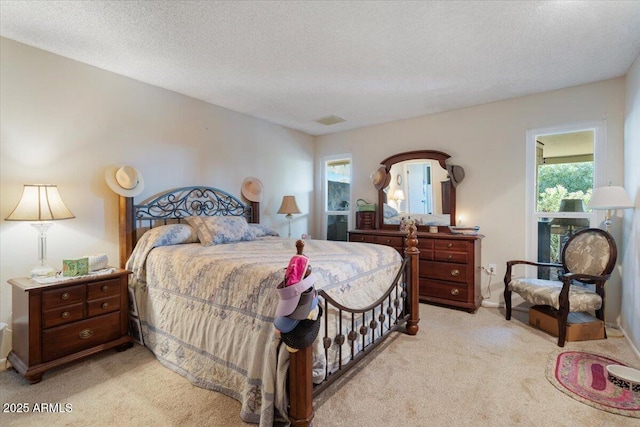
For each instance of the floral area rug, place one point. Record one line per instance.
(583, 376)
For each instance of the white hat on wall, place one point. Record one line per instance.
(252, 189)
(124, 180)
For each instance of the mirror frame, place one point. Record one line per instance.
(441, 158)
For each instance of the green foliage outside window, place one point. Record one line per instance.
(563, 181)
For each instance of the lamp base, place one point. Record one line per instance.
(43, 271)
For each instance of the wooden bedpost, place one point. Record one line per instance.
(301, 380)
(125, 228)
(413, 253)
(301, 387)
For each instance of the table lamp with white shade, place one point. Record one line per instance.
(610, 197)
(289, 207)
(41, 204)
(398, 196)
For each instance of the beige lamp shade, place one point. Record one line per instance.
(40, 203)
(398, 195)
(289, 206)
(610, 197)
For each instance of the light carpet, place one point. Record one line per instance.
(461, 369)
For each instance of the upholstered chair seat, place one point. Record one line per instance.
(547, 292)
(588, 259)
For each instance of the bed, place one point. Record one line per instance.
(206, 299)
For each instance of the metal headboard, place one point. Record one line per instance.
(192, 201)
(174, 206)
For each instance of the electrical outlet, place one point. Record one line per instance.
(491, 269)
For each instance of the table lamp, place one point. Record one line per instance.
(610, 198)
(289, 207)
(398, 196)
(41, 204)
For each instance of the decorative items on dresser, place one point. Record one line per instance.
(58, 322)
(450, 264)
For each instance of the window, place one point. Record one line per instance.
(561, 175)
(337, 196)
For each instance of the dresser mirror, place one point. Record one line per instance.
(419, 189)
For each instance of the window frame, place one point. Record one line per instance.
(325, 190)
(531, 196)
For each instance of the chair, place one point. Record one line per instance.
(588, 258)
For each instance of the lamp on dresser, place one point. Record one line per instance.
(41, 204)
(289, 207)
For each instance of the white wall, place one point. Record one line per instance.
(631, 234)
(63, 122)
(489, 142)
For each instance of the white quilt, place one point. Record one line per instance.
(207, 311)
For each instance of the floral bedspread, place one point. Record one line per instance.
(207, 311)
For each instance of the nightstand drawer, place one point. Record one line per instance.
(62, 315)
(68, 339)
(102, 289)
(62, 297)
(102, 306)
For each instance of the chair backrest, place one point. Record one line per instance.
(590, 251)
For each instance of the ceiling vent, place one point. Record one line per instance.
(330, 120)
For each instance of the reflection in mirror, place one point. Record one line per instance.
(419, 189)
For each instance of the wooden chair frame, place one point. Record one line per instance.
(598, 281)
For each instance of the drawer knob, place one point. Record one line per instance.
(388, 240)
(105, 288)
(455, 292)
(449, 245)
(65, 314)
(86, 333)
(450, 256)
(105, 304)
(455, 272)
(65, 295)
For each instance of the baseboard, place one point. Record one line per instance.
(631, 344)
(493, 304)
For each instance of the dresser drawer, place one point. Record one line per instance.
(67, 339)
(102, 306)
(389, 241)
(426, 244)
(446, 256)
(444, 271)
(363, 238)
(451, 245)
(62, 315)
(62, 297)
(102, 289)
(448, 291)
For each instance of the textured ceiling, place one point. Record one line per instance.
(367, 62)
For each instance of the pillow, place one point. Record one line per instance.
(259, 230)
(388, 211)
(164, 235)
(215, 230)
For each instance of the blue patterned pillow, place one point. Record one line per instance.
(259, 230)
(215, 230)
(388, 211)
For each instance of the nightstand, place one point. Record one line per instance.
(57, 323)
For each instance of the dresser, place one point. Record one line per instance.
(450, 266)
(56, 323)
